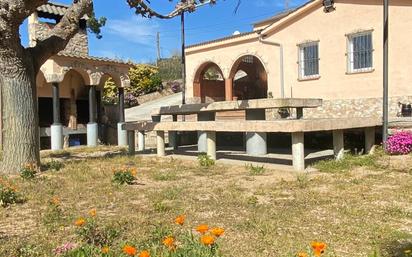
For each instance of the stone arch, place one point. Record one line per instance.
(209, 87)
(255, 84)
(235, 61)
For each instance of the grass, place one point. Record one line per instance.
(356, 207)
(377, 161)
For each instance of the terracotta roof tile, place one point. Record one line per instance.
(93, 58)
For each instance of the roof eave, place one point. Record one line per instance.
(298, 11)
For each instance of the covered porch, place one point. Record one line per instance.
(70, 90)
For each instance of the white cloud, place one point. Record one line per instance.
(135, 30)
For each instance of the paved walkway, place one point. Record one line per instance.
(142, 112)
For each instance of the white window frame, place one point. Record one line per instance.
(350, 52)
(301, 60)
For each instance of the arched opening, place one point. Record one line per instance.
(209, 83)
(73, 106)
(249, 78)
(107, 94)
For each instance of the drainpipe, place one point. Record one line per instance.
(282, 77)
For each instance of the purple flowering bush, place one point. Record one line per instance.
(399, 143)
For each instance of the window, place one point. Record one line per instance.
(309, 60)
(360, 52)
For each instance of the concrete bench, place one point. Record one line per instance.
(296, 127)
(255, 109)
(224, 106)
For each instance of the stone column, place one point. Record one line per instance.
(211, 144)
(369, 139)
(338, 144)
(228, 89)
(131, 142)
(160, 135)
(121, 134)
(92, 127)
(140, 141)
(201, 135)
(56, 129)
(256, 142)
(298, 151)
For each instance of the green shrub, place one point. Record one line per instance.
(90, 232)
(164, 175)
(124, 176)
(29, 171)
(144, 79)
(302, 180)
(9, 194)
(53, 216)
(349, 162)
(255, 170)
(54, 165)
(205, 160)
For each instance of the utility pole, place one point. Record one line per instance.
(385, 71)
(182, 20)
(158, 47)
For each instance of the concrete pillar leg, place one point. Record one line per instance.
(201, 142)
(201, 135)
(369, 139)
(338, 144)
(56, 137)
(92, 134)
(298, 151)
(211, 144)
(131, 142)
(160, 135)
(256, 143)
(140, 141)
(121, 135)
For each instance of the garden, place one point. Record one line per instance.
(101, 202)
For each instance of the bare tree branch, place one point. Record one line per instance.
(145, 10)
(15, 12)
(60, 35)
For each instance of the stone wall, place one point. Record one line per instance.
(366, 107)
(78, 45)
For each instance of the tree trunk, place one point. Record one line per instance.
(19, 111)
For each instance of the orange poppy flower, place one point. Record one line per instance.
(169, 242)
(202, 229)
(144, 254)
(318, 248)
(133, 172)
(105, 249)
(55, 200)
(180, 220)
(80, 222)
(302, 254)
(207, 240)
(217, 232)
(92, 212)
(129, 250)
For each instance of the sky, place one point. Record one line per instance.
(131, 37)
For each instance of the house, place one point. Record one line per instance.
(70, 85)
(306, 52)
